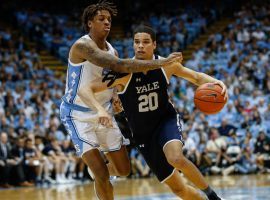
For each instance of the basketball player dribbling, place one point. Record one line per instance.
(89, 122)
(154, 122)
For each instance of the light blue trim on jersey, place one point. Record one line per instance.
(68, 122)
(73, 81)
(75, 106)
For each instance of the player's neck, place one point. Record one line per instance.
(100, 41)
(150, 58)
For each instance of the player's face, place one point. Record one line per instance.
(143, 46)
(101, 24)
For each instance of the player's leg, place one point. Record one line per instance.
(83, 135)
(174, 154)
(119, 164)
(155, 158)
(182, 189)
(95, 162)
(113, 144)
(170, 138)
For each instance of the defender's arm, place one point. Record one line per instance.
(85, 49)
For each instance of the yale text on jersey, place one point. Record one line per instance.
(147, 88)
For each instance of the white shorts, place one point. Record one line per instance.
(86, 133)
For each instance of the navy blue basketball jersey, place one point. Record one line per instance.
(146, 102)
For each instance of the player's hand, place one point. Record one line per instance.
(173, 57)
(104, 118)
(224, 91)
(117, 105)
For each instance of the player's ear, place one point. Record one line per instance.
(89, 24)
(155, 45)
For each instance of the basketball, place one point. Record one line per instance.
(208, 98)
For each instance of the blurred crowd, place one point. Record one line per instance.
(237, 138)
(35, 148)
(175, 30)
(32, 141)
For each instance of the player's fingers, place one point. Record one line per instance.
(226, 96)
(110, 124)
(221, 84)
(224, 89)
(101, 120)
(177, 53)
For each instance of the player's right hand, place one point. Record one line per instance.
(173, 57)
(104, 119)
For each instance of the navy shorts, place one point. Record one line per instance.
(170, 129)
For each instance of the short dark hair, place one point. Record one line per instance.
(90, 11)
(146, 29)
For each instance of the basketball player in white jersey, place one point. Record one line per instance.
(89, 121)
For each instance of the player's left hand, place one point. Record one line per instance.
(173, 57)
(224, 91)
(117, 105)
(105, 119)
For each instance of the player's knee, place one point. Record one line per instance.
(179, 191)
(101, 176)
(100, 172)
(177, 161)
(123, 170)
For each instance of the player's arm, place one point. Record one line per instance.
(99, 85)
(194, 77)
(85, 49)
(87, 95)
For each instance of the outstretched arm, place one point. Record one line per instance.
(194, 77)
(85, 49)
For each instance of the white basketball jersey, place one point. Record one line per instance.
(82, 74)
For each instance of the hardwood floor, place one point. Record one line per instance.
(253, 187)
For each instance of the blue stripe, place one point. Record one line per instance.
(74, 78)
(66, 118)
(74, 106)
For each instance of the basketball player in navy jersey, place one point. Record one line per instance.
(154, 122)
(91, 129)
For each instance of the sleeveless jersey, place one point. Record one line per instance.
(146, 102)
(82, 74)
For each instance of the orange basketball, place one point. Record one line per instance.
(208, 98)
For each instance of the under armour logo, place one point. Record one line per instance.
(141, 145)
(105, 71)
(138, 79)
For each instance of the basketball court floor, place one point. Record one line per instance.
(252, 187)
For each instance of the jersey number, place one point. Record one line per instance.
(148, 102)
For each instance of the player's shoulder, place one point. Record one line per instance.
(82, 40)
(83, 45)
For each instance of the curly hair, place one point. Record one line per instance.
(90, 11)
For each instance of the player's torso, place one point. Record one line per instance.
(146, 102)
(81, 75)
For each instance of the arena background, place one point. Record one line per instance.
(227, 39)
